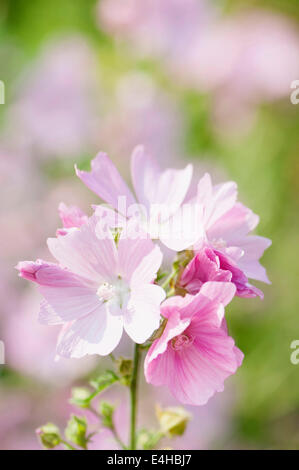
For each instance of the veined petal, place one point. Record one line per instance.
(167, 188)
(234, 224)
(132, 249)
(97, 333)
(202, 368)
(182, 229)
(83, 253)
(142, 317)
(146, 271)
(105, 181)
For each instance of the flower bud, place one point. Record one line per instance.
(76, 431)
(49, 435)
(124, 368)
(80, 397)
(173, 421)
(106, 411)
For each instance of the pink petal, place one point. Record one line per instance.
(132, 249)
(174, 327)
(167, 188)
(105, 181)
(147, 269)
(83, 253)
(234, 224)
(142, 317)
(97, 333)
(201, 369)
(71, 216)
(182, 229)
(216, 201)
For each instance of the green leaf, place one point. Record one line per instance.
(104, 381)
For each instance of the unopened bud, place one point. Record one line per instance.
(49, 435)
(173, 421)
(76, 431)
(81, 397)
(106, 411)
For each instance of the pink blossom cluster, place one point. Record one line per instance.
(106, 279)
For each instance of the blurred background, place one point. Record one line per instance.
(194, 80)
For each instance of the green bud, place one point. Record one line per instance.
(81, 397)
(49, 435)
(173, 421)
(76, 431)
(125, 369)
(106, 411)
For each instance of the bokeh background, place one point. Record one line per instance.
(203, 81)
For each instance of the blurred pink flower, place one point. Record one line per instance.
(194, 355)
(100, 281)
(56, 105)
(158, 28)
(141, 112)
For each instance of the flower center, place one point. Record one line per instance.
(106, 291)
(118, 292)
(218, 243)
(181, 341)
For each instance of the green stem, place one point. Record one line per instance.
(113, 429)
(169, 278)
(68, 445)
(133, 395)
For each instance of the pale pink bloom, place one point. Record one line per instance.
(244, 60)
(153, 27)
(194, 355)
(98, 289)
(141, 112)
(55, 111)
(212, 265)
(71, 216)
(160, 195)
(227, 224)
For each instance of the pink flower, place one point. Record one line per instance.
(227, 224)
(98, 289)
(161, 195)
(194, 355)
(71, 217)
(212, 265)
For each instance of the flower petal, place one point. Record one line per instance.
(152, 186)
(105, 181)
(83, 253)
(142, 317)
(97, 333)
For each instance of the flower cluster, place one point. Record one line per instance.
(108, 276)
